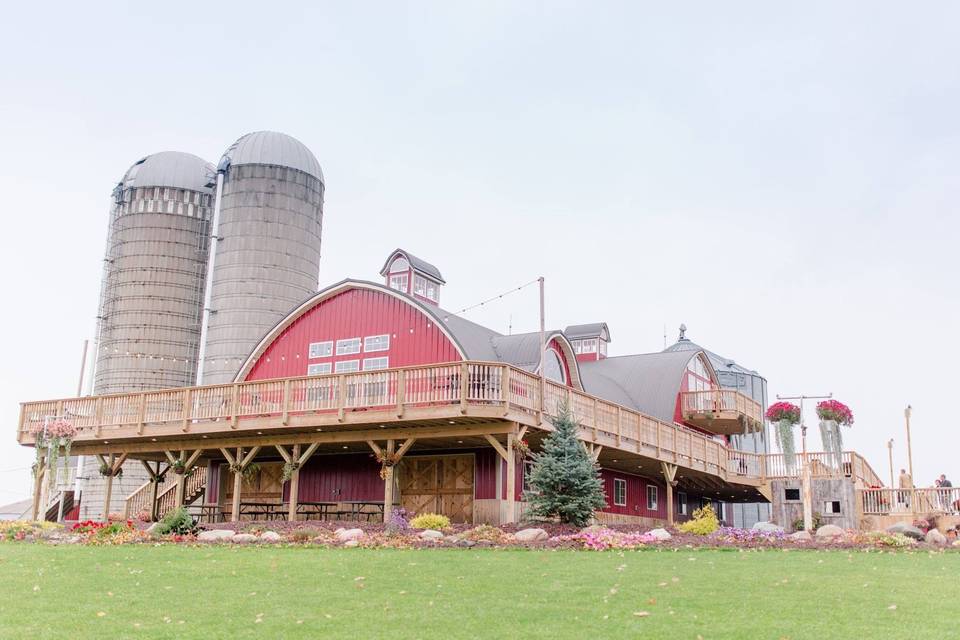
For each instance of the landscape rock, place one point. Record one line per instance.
(829, 531)
(153, 527)
(531, 535)
(346, 535)
(430, 534)
(935, 537)
(352, 543)
(270, 536)
(660, 534)
(215, 535)
(907, 529)
(767, 526)
(243, 538)
(467, 543)
(593, 528)
(801, 536)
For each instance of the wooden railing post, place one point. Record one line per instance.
(596, 417)
(187, 397)
(464, 380)
(286, 402)
(234, 405)
(141, 413)
(619, 423)
(505, 391)
(341, 397)
(401, 391)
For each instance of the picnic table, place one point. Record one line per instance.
(262, 510)
(205, 512)
(320, 509)
(358, 509)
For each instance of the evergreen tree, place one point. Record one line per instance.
(565, 482)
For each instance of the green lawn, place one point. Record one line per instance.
(171, 591)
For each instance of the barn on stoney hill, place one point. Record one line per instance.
(369, 395)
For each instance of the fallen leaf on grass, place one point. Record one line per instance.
(641, 614)
(892, 607)
(100, 614)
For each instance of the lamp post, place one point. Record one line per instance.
(890, 454)
(906, 415)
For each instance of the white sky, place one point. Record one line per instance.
(783, 179)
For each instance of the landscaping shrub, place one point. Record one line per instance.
(397, 524)
(704, 522)
(304, 534)
(430, 521)
(177, 521)
(22, 529)
(816, 522)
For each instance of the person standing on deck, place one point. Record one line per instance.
(906, 485)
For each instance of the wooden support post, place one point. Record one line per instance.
(619, 422)
(235, 464)
(38, 486)
(511, 481)
(294, 485)
(234, 406)
(178, 496)
(141, 413)
(154, 490)
(670, 476)
(464, 386)
(505, 390)
(187, 399)
(388, 485)
(108, 492)
(341, 397)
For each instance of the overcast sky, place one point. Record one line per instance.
(782, 178)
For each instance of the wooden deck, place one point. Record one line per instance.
(722, 411)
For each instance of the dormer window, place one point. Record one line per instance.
(413, 276)
(589, 340)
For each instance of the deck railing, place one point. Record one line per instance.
(886, 501)
(721, 401)
(463, 384)
(823, 464)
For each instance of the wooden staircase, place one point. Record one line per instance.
(194, 486)
(53, 509)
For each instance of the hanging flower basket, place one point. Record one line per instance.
(49, 438)
(522, 449)
(832, 414)
(386, 461)
(785, 415)
(289, 468)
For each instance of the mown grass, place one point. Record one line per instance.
(140, 591)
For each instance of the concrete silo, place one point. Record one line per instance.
(266, 258)
(154, 270)
(148, 324)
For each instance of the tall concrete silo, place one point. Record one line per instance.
(268, 223)
(154, 271)
(151, 297)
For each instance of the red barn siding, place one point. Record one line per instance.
(555, 345)
(486, 462)
(334, 478)
(636, 495)
(414, 336)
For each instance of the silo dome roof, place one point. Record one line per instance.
(171, 169)
(271, 147)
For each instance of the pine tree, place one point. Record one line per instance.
(565, 483)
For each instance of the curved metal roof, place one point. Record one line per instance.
(418, 264)
(271, 147)
(174, 169)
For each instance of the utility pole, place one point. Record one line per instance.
(543, 347)
(805, 477)
(906, 414)
(890, 453)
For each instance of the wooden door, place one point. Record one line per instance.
(438, 484)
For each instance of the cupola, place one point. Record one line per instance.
(589, 340)
(408, 274)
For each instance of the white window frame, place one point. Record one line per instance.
(619, 484)
(589, 345)
(315, 349)
(319, 368)
(682, 502)
(603, 348)
(373, 364)
(343, 348)
(419, 285)
(655, 494)
(400, 282)
(368, 349)
(341, 367)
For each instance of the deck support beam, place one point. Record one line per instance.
(670, 475)
(508, 454)
(389, 459)
(237, 464)
(38, 475)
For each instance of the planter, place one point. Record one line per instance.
(785, 441)
(832, 442)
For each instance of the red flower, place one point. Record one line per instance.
(783, 411)
(835, 410)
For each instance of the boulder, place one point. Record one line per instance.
(243, 538)
(935, 537)
(660, 534)
(215, 535)
(829, 531)
(345, 535)
(906, 529)
(431, 534)
(153, 527)
(801, 536)
(767, 526)
(270, 536)
(531, 535)
(593, 528)
(466, 543)
(352, 543)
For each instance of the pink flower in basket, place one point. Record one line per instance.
(836, 411)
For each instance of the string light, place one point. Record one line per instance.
(480, 304)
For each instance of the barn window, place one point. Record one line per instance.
(553, 367)
(682, 503)
(652, 494)
(831, 507)
(348, 346)
(347, 366)
(792, 495)
(527, 471)
(321, 349)
(318, 369)
(373, 364)
(377, 343)
(620, 492)
(399, 282)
